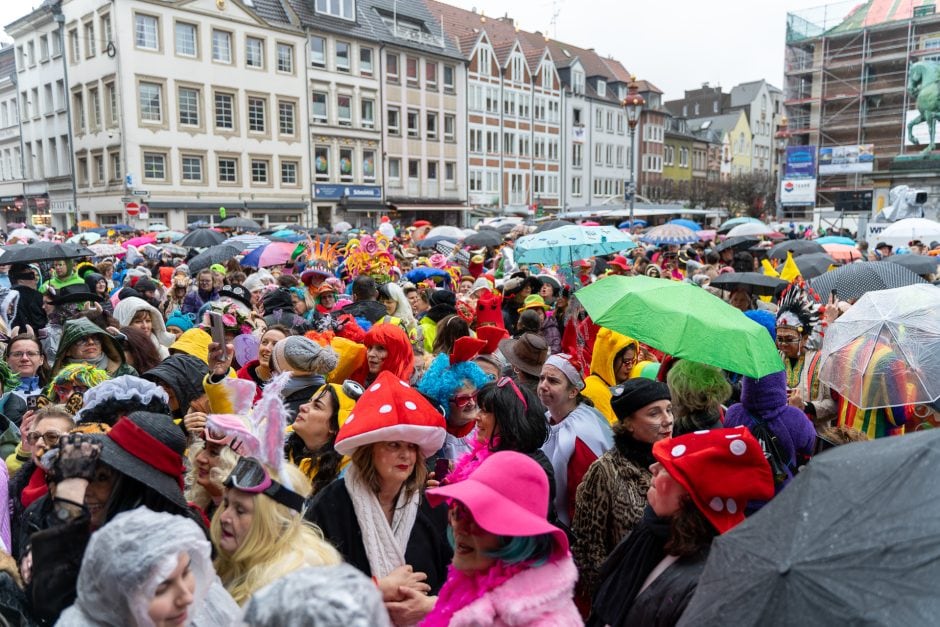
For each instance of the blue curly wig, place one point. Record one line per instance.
(441, 380)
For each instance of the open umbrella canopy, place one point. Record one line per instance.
(566, 244)
(689, 224)
(107, 250)
(431, 242)
(446, 231)
(706, 234)
(852, 540)
(683, 320)
(637, 222)
(553, 224)
(901, 232)
(885, 350)
(727, 225)
(175, 250)
(918, 264)
(242, 224)
(273, 254)
(341, 227)
(43, 251)
(121, 228)
(87, 224)
(220, 253)
(843, 252)
(673, 234)
(247, 241)
(287, 235)
(84, 238)
(739, 242)
(758, 284)
(201, 238)
(836, 239)
(852, 281)
(797, 247)
(814, 264)
(140, 241)
(24, 234)
(487, 237)
(750, 228)
(158, 227)
(169, 236)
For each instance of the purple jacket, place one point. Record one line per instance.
(768, 398)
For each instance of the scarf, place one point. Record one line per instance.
(297, 383)
(385, 545)
(627, 567)
(35, 488)
(29, 385)
(463, 588)
(639, 453)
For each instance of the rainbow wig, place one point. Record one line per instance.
(442, 380)
(82, 374)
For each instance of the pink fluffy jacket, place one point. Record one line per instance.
(535, 597)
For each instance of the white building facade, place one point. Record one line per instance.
(12, 199)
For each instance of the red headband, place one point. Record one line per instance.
(136, 441)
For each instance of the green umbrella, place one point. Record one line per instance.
(683, 320)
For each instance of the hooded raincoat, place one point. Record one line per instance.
(128, 308)
(81, 327)
(597, 385)
(184, 375)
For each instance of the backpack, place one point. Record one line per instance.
(772, 451)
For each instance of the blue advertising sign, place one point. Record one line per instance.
(801, 162)
(338, 192)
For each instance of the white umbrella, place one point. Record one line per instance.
(750, 228)
(452, 232)
(107, 250)
(158, 227)
(903, 231)
(342, 227)
(87, 238)
(23, 234)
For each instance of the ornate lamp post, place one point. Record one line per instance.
(782, 137)
(632, 107)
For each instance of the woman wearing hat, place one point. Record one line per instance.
(85, 342)
(701, 483)
(511, 566)
(611, 498)
(308, 363)
(578, 433)
(376, 514)
(137, 313)
(526, 354)
(612, 363)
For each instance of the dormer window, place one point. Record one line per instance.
(577, 81)
(345, 9)
(602, 88)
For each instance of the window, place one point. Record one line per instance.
(602, 89)
(185, 38)
(414, 124)
(576, 117)
(154, 166)
(225, 111)
(188, 107)
(192, 168)
(256, 115)
(321, 162)
(577, 155)
(599, 120)
(90, 50)
(288, 173)
(342, 56)
(254, 52)
(150, 97)
(577, 81)
(367, 113)
(285, 118)
(576, 186)
(319, 107)
(106, 28)
(431, 125)
(449, 77)
(145, 33)
(432, 170)
(318, 51)
(112, 103)
(485, 64)
(259, 171)
(394, 170)
(450, 172)
(228, 170)
(414, 168)
(285, 58)
(338, 8)
(95, 103)
(393, 123)
(44, 48)
(475, 182)
(221, 46)
(411, 69)
(116, 174)
(56, 46)
(430, 74)
(346, 165)
(391, 66)
(74, 50)
(450, 127)
(99, 165)
(475, 140)
(368, 165)
(365, 61)
(344, 110)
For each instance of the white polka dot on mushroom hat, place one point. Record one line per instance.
(738, 447)
(732, 506)
(384, 409)
(410, 405)
(716, 504)
(403, 384)
(702, 432)
(733, 436)
(350, 418)
(375, 387)
(678, 450)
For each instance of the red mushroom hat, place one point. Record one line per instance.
(390, 410)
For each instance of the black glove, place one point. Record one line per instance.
(76, 458)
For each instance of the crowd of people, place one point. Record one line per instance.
(375, 433)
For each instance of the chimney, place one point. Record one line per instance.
(506, 19)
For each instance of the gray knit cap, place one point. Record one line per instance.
(303, 354)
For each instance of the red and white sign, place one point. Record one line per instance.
(132, 208)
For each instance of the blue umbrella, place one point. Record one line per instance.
(673, 234)
(626, 224)
(836, 239)
(689, 224)
(566, 244)
(253, 259)
(121, 227)
(287, 235)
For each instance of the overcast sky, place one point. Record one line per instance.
(675, 44)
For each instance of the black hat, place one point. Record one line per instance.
(236, 292)
(145, 285)
(76, 293)
(882, 245)
(21, 271)
(634, 394)
(277, 299)
(149, 448)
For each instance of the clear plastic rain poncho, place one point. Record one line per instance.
(129, 557)
(318, 596)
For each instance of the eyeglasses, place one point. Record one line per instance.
(50, 438)
(463, 400)
(22, 354)
(215, 436)
(458, 513)
(251, 477)
(515, 388)
(88, 339)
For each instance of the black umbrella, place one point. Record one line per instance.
(220, 253)
(201, 238)
(552, 224)
(853, 540)
(814, 264)
(758, 284)
(918, 264)
(795, 246)
(506, 229)
(741, 241)
(242, 224)
(855, 279)
(431, 242)
(484, 238)
(43, 251)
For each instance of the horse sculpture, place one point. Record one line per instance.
(923, 83)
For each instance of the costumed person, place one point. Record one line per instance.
(578, 433)
(308, 362)
(139, 314)
(145, 569)
(698, 392)
(798, 319)
(452, 381)
(71, 382)
(611, 364)
(85, 342)
(443, 303)
(387, 348)
(63, 275)
(259, 370)
(701, 483)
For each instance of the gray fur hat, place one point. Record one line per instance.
(302, 354)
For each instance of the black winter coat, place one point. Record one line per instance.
(664, 601)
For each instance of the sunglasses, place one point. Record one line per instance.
(49, 438)
(251, 477)
(463, 400)
(515, 388)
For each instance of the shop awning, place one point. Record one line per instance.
(361, 206)
(431, 207)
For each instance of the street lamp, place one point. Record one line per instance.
(632, 106)
(782, 136)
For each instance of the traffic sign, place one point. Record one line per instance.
(132, 208)
(140, 192)
(127, 199)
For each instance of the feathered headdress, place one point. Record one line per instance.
(322, 256)
(371, 256)
(800, 308)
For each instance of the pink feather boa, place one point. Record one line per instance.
(480, 450)
(463, 588)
